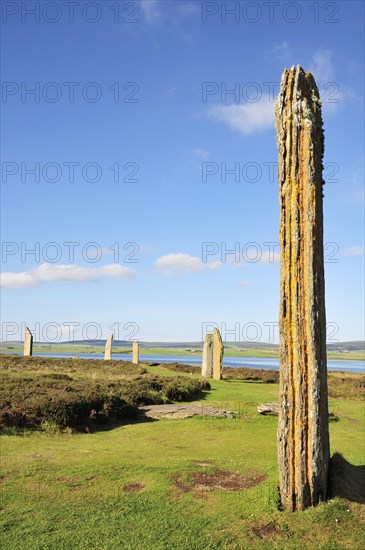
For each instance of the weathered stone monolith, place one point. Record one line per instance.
(303, 441)
(207, 359)
(28, 343)
(218, 350)
(108, 348)
(135, 352)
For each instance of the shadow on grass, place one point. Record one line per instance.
(138, 419)
(85, 428)
(346, 480)
(248, 380)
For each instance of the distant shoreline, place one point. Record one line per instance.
(269, 353)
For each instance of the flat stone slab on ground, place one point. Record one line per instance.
(183, 411)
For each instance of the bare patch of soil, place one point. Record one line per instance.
(265, 531)
(222, 480)
(181, 486)
(200, 483)
(92, 478)
(133, 487)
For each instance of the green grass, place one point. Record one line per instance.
(67, 491)
(349, 356)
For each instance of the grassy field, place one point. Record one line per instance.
(198, 483)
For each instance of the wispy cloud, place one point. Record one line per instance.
(266, 257)
(321, 66)
(247, 118)
(156, 11)
(256, 255)
(334, 94)
(201, 153)
(66, 273)
(151, 10)
(171, 92)
(181, 263)
(185, 9)
(281, 51)
(354, 251)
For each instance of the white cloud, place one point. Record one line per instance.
(247, 118)
(65, 272)
(17, 280)
(177, 264)
(354, 251)
(321, 66)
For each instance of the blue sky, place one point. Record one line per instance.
(174, 96)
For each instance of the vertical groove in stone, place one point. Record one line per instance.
(303, 441)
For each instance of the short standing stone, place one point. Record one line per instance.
(135, 352)
(207, 359)
(218, 355)
(108, 348)
(28, 343)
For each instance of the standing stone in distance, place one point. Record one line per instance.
(218, 350)
(28, 343)
(207, 359)
(108, 348)
(303, 441)
(135, 352)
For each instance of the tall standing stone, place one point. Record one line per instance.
(218, 350)
(207, 359)
(28, 343)
(303, 440)
(108, 348)
(135, 352)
